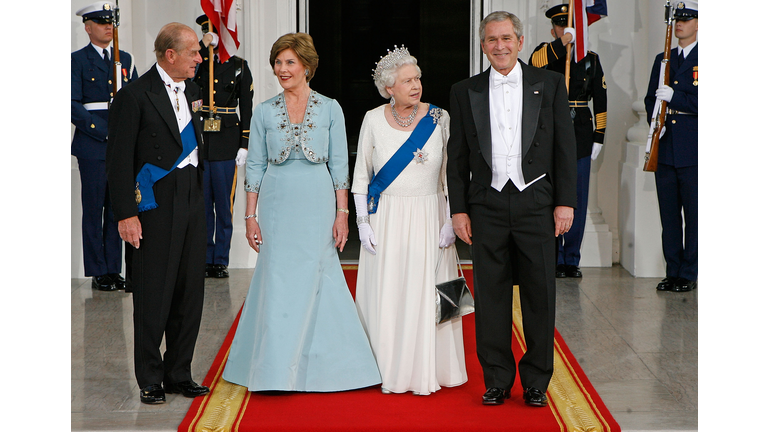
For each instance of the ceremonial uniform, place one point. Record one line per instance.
(587, 82)
(232, 85)
(91, 92)
(677, 170)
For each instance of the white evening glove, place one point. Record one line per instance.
(242, 155)
(447, 236)
(665, 93)
(596, 148)
(571, 31)
(367, 239)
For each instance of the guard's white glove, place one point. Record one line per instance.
(447, 236)
(665, 93)
(596, 148)
(663, 129)
(571, 31)
(210, 39)
(364, 230)
(242, 155)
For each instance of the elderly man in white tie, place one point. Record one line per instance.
(512, 188)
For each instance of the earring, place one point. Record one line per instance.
(306, 72)
(392, 100)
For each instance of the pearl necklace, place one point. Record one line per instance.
(404, 121)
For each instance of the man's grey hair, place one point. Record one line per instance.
(501, 16)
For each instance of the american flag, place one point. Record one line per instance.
(223, 16)
(585, 12)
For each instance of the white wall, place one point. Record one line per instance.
(627, 41)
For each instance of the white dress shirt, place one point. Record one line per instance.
(687, 50)
(181, 110)
(506, 107)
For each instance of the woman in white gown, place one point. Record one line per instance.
(400, 231)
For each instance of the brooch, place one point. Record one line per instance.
(420, 156)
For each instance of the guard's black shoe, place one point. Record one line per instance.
(684, 285)
(667, 284)
(103, 283)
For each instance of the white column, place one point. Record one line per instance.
(639, 221)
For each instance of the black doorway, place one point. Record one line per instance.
(350, 36)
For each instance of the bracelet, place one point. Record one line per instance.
(362, 219)
(251, 216)
(342, 210)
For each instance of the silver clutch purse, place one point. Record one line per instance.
(452, 298)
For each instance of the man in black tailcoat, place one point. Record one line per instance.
(154, 167)
(512, 189)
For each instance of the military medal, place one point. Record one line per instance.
(138, 194)
(696, 75)
(420, 156)
(197, 105)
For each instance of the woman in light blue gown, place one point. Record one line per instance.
(299, 329)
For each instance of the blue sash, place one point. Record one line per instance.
(404, 155)
(149, 174)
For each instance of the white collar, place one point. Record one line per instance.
(168, 81)
(100, 50)
(687, 50)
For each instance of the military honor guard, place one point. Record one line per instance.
(93, 87)
(677, 181)
(226, 134)
(586, 82)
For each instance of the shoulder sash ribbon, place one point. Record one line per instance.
(402, 157)
(149, 174)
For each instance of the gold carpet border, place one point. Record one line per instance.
(567, 394)
(224, 405)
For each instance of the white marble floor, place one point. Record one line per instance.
(639, 348)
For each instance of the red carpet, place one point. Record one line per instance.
(574, 403)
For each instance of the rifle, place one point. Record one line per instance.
(660, 108)
(117, 80)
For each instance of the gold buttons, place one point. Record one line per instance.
(674, 121)
(93, 126)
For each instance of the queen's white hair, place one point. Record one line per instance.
(388, 75)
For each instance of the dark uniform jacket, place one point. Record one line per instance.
(679, 146)
(547, 142)
(233, 83)
(143, 129)
(92, 82)
(587, 81)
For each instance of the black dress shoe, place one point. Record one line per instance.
(103, 283)
(684, 285)
(572, 271)
(220, 271)
(189, 389)
(560, 272)
(152, 394)
(209, 270)
(667, 284)
(495, 396)
(535, 397)
(117, 280)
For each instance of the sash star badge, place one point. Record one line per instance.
(420, 156)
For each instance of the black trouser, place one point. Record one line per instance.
(168, 278)
(514, 240)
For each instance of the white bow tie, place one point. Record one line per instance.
(511, 80)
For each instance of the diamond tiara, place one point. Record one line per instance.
(388, 60)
